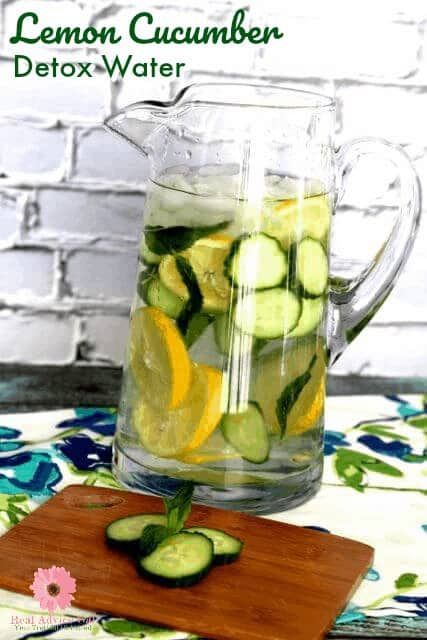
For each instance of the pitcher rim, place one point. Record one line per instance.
(322, 101)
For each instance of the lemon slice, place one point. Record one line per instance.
(211, 413)
(292, 220)
(158, 358)
(214, 449)
(206, 258)
(171, 277)
(308, 408)
(168, 434)
(276, 371)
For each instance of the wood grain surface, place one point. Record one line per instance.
(290, 582)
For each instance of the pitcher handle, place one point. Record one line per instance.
(354, 302)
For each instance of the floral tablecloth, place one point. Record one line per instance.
(374, 490)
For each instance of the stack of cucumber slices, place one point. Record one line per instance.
(282, 291)
(251, 284)
(165, 552)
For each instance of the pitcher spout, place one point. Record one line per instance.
(137, 123)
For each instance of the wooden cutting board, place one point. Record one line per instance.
(289, 583)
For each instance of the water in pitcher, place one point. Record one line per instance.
(224, 380)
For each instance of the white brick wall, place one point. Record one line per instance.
(71, 195)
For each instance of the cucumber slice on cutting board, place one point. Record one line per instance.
(179, 561)
(311, 267)
(277, 370)
(256, 261)
(271, 313)
(227, 548)
(247, 433)
(311, 317)
(126, 532)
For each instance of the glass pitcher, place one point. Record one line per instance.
(236, 315)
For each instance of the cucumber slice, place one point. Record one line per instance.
(269, 314)
(247, 433)
(227, 548)
(311, 317)
(229, 339)
(158, 295)
(148, 256)
(179, 561)
(126, 532)
(256, 261)
(312, 267)
(144, 279)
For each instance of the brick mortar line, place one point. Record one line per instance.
(97, 244)
(63, 117)
(74, 306)
(127, 188)
(44, 120)
(314, 79)
(70, 154)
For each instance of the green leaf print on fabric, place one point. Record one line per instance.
(406, 580)
(383, 430)
(418, 421)
(99, 477)
(352, 466)
(9, 508)
(120, 627)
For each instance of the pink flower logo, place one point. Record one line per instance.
(53, 588)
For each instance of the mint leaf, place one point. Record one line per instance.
(195, 300)
(406, 580)
(196, 326)
(178, 508)
(152, 536)
(290, 395)
(164, 240)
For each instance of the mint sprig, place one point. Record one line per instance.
(178, 508)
